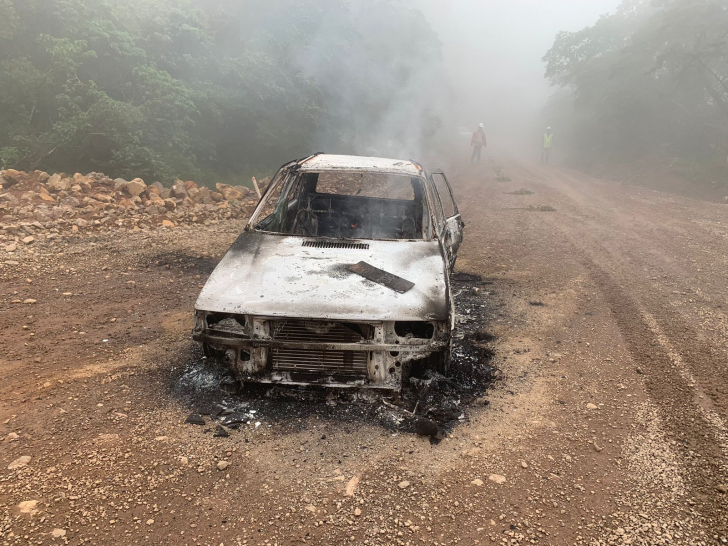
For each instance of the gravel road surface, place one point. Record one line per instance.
(606, 424)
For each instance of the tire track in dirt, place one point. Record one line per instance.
(695, 427)
(615, 245)
(582, 236)
(704, 366)
(685, 423)
(707, 409)
(644, 249)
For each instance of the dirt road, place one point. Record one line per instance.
(607, 425)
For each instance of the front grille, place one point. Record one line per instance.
(336, 244)
(345, 365)
(314, 331)
(340, 364)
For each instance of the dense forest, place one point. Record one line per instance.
(652, 78)
(218, 90)
(209, 89)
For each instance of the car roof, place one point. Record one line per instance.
(328, 162)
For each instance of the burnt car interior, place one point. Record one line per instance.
(348, 205)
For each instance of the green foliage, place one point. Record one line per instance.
(8, 157)
(652, 77)
(199, 88)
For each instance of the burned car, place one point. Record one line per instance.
(340, 278)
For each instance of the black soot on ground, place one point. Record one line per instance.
(430, 403)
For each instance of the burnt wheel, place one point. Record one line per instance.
(440, 362)
(210, 352)
(436, 362)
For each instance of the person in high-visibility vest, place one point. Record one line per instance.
(548, 140)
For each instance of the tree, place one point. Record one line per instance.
(651, 76)
(205, 88)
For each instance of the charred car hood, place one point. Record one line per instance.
(273, 275)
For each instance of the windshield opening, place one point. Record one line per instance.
(348, 205)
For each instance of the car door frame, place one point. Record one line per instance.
(451, 229)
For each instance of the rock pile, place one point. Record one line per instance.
(61, 204)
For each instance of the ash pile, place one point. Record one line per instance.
(435, 402)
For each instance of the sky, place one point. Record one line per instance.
(492, 51)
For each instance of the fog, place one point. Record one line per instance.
(219, 90)
(489, 70)
(492, 59)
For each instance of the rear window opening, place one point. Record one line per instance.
(375, 185)
(414, 329)
(347, 205)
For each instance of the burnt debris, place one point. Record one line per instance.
(195, 419)
(374, 274)
(431, 402)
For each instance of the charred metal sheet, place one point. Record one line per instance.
(273, 275)
(379, 276)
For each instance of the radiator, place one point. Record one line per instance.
(345, 364)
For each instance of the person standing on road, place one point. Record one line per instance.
(548, 139)
(478, 142)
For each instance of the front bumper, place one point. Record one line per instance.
(317, 352)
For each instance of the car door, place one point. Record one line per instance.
(452, 227)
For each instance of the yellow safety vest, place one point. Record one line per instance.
(547, 140)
